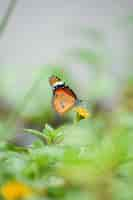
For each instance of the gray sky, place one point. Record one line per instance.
(39, 32)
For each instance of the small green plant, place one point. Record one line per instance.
(48, 135)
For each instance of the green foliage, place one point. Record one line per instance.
(74, 161)
(48, 135)
(87, 159)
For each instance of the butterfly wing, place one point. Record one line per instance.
(63, 100)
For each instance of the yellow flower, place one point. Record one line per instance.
(15, 190)
(82, 112)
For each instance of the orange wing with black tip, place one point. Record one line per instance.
(63, 100)
(63, 97)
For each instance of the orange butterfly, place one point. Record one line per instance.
(63, 97)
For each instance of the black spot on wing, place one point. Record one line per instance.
(62, 104)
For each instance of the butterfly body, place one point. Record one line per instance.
(64, 98)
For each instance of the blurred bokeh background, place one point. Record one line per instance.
(87, 43)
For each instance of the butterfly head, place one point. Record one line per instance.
(55, 82)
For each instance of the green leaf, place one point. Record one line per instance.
(39, 134)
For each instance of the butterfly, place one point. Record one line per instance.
(64, 98)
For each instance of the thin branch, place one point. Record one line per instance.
(7, 15)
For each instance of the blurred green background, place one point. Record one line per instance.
(89, 45)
